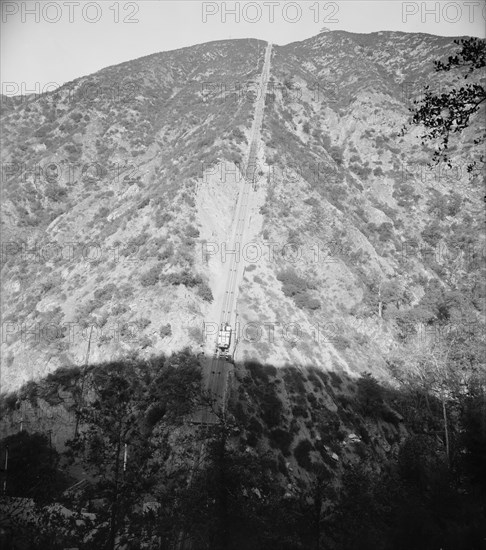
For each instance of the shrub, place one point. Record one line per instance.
(336, 154)
(145, 342)
(76, 117)
(143, 203)
(292, 284)
(335, 379)
(192, 232)
(205, 292)
(294, 380)
(255, 430)
(300, 410)
(305, 301)
(162, 218)
(336, 193)
(370, 396)
(137, 241)
(260, 374)
(120, 309)
(165, 330)
(302, 454)
(41, 132)
(75, 151)
(142, 323)
(150, 277)
(55, 192)
(296, 287)
(404, 195)
(385, 231)
(103, 212)
(10, 401)
(184, 278)
(432, 233)
(341, 342)
(29, 391)
(105, 293)
(154, 414)
(282, 440)
(196, 334)
(166, 253)
(238, 135)
(361, 171)
(63, 376)
(271, 409)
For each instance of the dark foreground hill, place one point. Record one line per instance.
(301, 459)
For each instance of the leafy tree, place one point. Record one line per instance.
(114, 447)
(223, 506)
(452, 111)
(370, 396)
(380, 294)
(33, 481)
(32, 467)
(302, 455)
(432, 366)
(432, 233)
(358, 519)
(296, 287)
(473, 436)
(205, 292)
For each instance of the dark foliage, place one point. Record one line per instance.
(32, 467)
(451, 112)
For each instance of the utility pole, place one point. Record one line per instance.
(125, 456)
(76, 428)
(5, 469)
(50, 444)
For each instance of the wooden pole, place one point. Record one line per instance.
(6, 468)
(76, 428)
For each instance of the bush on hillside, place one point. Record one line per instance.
(150, 277)
(297, 288)
(302, 454)
(204, 292)
(370, 396)
(165, 330)
(281, 439)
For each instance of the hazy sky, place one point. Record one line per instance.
(57, 41)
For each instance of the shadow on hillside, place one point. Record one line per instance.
(312, 459)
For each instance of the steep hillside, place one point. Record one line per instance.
(111, 192)
(99, 205)
(361, 227)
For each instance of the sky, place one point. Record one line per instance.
(47, 43)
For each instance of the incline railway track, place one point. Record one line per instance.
(219, 365)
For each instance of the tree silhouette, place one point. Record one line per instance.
(111, 433)
(447, 113)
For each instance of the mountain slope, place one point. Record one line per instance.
(106, 168)
(130, 173)
(367, 219)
